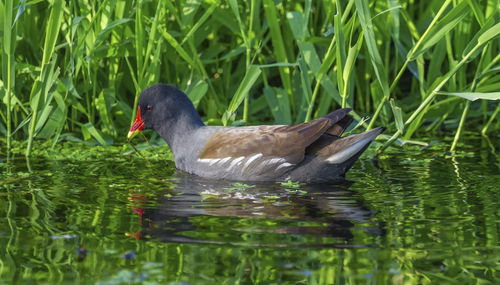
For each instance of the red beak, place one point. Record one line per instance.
(137, 126)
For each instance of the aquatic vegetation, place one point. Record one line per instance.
(72, 70)
(290, 184)
(239, 187)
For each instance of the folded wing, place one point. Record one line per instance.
(265, 149)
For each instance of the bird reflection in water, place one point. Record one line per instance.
(199, 210)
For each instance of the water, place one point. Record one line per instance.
(410, 217)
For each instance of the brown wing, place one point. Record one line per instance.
(331, 135)
(286, 142)
(338, 128)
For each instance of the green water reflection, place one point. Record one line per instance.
(412, 217)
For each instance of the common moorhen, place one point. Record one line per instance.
(307, 152)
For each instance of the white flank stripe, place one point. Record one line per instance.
(272, 161)
(224, 160)
(286, 164)
(235, 162)
(210, 161)
(213, 161)
(250, 160)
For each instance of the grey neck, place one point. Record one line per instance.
(179, 131)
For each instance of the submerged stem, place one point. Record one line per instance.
(8, 55)
(460, 127)
(492, 118)
(135, 149)
(313, 98)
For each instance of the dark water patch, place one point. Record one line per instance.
(414, 216)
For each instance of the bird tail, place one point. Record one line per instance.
(344, 149)
(330, 157)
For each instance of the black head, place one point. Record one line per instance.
(163, 106)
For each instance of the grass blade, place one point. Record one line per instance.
(278, 44)
(297, 23)
(196, 92)
(375, 59)
(253, 72)
(277, 99)
(198, 24)
(442, 27)
(8, 63)
(41, 85)
(398, 116)
(177, 47)
(88, 127)
(473, 96)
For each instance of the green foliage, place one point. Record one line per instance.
(290, 184)
(292, 187)
(74, 69)
(239, 187)
(296, 191)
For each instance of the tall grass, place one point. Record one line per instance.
(8, 67)
(74, 70)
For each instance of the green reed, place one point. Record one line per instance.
(406, 65)
(8, 65)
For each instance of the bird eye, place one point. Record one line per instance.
(149, 107)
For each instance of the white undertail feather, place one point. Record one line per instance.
(350, 151)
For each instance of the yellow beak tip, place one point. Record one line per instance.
(132, 134)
